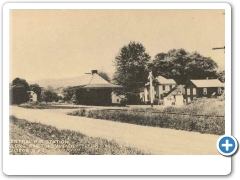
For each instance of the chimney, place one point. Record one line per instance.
(94, 71)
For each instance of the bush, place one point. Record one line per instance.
(81, 112)
(35, 105)
(123, 102)
(155, 101)
(164, 119)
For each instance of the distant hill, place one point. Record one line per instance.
(56, 83)
(64, 82)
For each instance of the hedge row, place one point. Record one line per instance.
(202, 124)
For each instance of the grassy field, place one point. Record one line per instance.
(28, 138)
(204, 116)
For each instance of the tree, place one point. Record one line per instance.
(182, 66)
(104, 76)
(131, 69)
(46, 95)
(37, 89)
(67, 93)
(49, 95)
(18, 91)
(221, 76)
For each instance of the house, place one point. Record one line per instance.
(203, 88)
(174, 96)
(93, 90)
(32, 96)
(161, 85)
(143, 94)
(116, 99)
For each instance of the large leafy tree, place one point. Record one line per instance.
(104, 76)
(18, 91)
(131, 71)
(49, 95)
(182, 66)
(67, 93)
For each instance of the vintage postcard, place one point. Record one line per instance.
(118, 79)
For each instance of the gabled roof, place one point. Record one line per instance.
(207, 83)
(163, 80)
(177, 90)
(93, 81)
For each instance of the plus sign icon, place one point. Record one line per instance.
(227, 145)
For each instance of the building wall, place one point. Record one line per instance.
(117, 99)
(199, 92)
(158, 91)
(189, 97)
(179, 100)
(168, 87)
(96, 97)
(32, 96)
(167, 101)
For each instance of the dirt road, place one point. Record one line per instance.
(150, 139)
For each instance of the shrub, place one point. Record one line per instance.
(164, 119)
(123, 102)
(155, 101)
(35, 105)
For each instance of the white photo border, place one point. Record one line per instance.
(121, 164)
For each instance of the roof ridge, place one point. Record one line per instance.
(91, 78)
(202, 79)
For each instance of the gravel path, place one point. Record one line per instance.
(150, 139)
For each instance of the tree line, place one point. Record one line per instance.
(19, 92)
(133, 64)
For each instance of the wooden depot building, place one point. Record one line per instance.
(93, 90)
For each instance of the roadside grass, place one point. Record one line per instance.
(44, 105)
(204, 116)
(211, 107)
(23, 148)
(75, 143)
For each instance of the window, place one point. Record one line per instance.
(117, 100)
(170, 87)
(163, 87)
(167, 88)
(204, 91)
(194, 91)
(219, 90)
(188, 91)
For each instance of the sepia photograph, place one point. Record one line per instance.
(116, 82)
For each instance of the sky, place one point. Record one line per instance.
(55, 44)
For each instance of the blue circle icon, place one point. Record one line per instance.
(227, 145)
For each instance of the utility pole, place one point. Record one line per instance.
(151, 88)
(217, 48)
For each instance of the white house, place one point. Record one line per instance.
(32, 96)
(174, 97)
(161, 85)
(116, 99)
